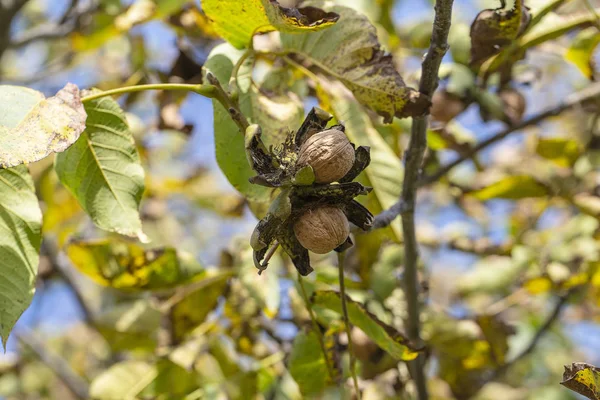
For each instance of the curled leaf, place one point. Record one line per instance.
(236, 21)
(350, 52)
(33, 127)
(582, 378)
(494, 29)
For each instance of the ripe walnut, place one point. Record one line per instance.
(322, 229)
(329, 153)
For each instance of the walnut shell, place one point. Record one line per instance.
(329, 153)
(322, 229)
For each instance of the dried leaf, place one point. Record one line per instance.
(34, 127)
(351, 53)
(494, 29)
(584, 379)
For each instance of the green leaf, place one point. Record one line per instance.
(385, 173)
(32, 127)
(581, 51)
(351, 53)
(307, 364)
(103, 171)
(238, 20)
(123, 380)
(130, 326)
(124, 265)
(140, 379)
(276, 114)
(584, 379)
(386, 337)
(563, 152)
(193, 309)
(20, 238)
(512, 188)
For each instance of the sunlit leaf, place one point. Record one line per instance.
(583, 378)
(386, 337)
(125, 265)
(237, 20)
(60, 207)
(192, 310)
(32, 127)
(541, 284)
(307, 364)
(130, 326)
(103, 171)
(131, 379)
(497, 333)
(123, 380)
(351, 53)
(20, 238)
(512, 188)
(563, 152)
(581, 51)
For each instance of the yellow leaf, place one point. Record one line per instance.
(538, 285)
(238, 20)
(584, 379)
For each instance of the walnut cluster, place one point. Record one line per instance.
(313, 170)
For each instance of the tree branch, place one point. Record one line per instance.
(60, 367)
(554, 315)
(7, 14)
(54, 30)
(591, 93)
(413, 160)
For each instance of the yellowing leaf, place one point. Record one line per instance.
(563, 152)
(584, 379)
(237, 20)
(351, 53)
(538, 285)
(581, 51)
(386, 337)
(494, 29)
(512, 188)
(124, 265)
(32, 127)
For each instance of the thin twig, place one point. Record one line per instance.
(347, 323)
(588, 94)
(414, 158)
(592, 11)
(386, 217)
(554, 315)
(316, 328)
(75, 383)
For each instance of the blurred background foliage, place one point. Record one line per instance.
(509, 240)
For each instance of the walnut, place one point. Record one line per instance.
(329, 153)
(322, 229)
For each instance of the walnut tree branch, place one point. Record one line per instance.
(591, 93)
(413, 160)
(75, 383)
(554, 315)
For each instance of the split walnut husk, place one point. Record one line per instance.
(313, 170)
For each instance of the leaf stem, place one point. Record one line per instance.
(315, 327)
(347, 323)
(204, 90)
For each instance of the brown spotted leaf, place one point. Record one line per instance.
(582, 378)
(494, 29)
(238, 20)
(33, 127)
(350, 52)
